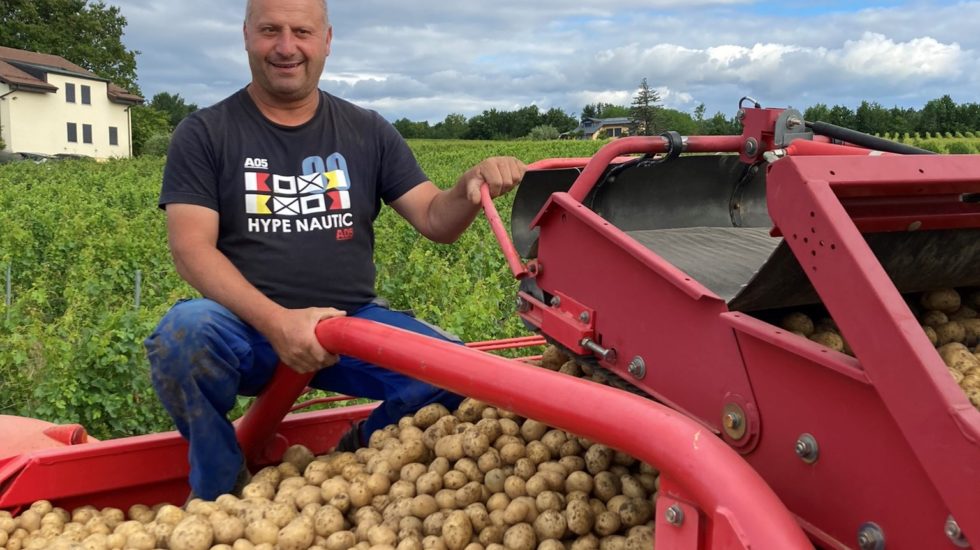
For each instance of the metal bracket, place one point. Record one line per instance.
(790, 126)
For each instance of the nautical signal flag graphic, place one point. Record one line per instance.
(268, 194)
(255, 181)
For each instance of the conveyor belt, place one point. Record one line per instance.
(753, 271)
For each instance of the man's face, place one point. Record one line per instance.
(288, 42)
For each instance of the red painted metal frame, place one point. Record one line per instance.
(145, 469)
(899, 441)
(942, 429)
(701, 465)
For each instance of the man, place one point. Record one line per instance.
(270, 196)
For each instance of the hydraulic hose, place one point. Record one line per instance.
(864, 140)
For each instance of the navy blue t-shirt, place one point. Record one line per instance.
(296, 204)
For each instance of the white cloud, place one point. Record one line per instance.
(428, 59)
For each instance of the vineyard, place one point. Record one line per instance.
(90, 275)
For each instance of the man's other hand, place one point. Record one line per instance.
(501, 174)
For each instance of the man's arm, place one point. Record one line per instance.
(193, 235)
(443, 215)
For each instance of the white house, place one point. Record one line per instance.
(51, 106)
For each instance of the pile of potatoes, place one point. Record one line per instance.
(477, 478)
(949, 318)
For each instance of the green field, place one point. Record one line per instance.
(74, 234)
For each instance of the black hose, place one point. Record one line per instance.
(864, 140)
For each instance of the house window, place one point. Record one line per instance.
(113, 135)
(86, 95)
(86, 133)
(72, 132)
(70, 92)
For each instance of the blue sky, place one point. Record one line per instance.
(424, 60)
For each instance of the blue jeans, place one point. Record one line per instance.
(202, 356)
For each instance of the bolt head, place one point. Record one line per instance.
(584, 317)
(555, 301)
(674, 515)
(732, 421)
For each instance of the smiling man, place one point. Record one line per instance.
(270, 197)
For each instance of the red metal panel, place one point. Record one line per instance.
(942, 428)
(645, 307)
(144, 469)
(864, 471)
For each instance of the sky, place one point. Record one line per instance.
(426, 59)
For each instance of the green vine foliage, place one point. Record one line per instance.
(74, 234)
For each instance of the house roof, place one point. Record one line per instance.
(17, 66)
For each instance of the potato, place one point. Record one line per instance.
(635, 511)
(457, 530)
(952, 331)
(296, 535)
(433, 542)
(579, 517)
(607, 523)
(475, 443)
(493, 534)
(262, 531)
(468, 494)
(571, 368)
(931, 335)
(612, 542)
(514, 486)
(327, 521)
(192, 533)
(828, 339)
(424, 505)
(532, 430)
(537, 452)
(958, 357)
(470, 410)
(511, 452)
(598, 458)
(971, 331)
(382, 535)
(520, 537)
(495, 479)
(946, 300)
(798, 322)
(432, 524)
(429, 414)
(226, 528)
(550, 524)
(341, 540)
(553, 358)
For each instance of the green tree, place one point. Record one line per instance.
(147, 122)
(89, 35)
(413, 130)
(454, 126)
(939, 115)
(672, 119)
(817, 113)
(559, 119)
(643, 111)
(173, 105)
(872, 118)
(604, 110)
(542, 133)
(841, 116)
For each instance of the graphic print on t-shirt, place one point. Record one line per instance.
(315, 201)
